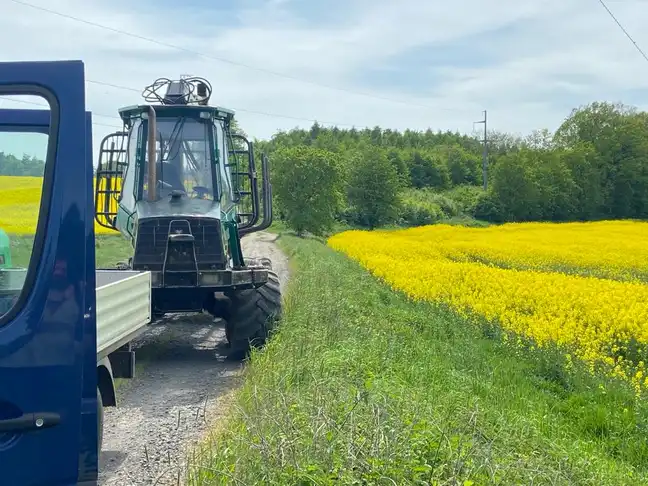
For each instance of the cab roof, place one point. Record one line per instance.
(127, 113)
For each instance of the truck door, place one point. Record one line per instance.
(48, 405)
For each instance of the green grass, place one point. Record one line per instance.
(360, 386)
(110, 250)
(424, 206)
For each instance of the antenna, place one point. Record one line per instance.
(485, 151)
(185, 91)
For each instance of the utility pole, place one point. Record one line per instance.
(485, 151)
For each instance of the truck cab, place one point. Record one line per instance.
(49, 405)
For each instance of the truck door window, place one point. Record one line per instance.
(23, 154)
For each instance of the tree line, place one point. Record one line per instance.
(10, 165)
(594, 166)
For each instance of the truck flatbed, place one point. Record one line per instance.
(123, 308)
(123, 304)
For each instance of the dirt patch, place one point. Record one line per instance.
(263, 244)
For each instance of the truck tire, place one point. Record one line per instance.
(253, 315)
(100, 420)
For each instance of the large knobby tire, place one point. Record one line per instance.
(252, 316)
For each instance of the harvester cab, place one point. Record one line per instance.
(183, 189)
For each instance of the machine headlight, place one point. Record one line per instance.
(210, 279)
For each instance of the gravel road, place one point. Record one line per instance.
(183, 388)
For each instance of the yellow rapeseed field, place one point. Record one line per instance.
(576, 285)
(19, 205)
(612, 249)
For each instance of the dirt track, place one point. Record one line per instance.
(184, 388)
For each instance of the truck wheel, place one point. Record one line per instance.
(252, 316)
(100, 419)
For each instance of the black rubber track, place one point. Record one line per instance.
(253, 315)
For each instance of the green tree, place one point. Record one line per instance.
(463, 167)
(556, 187)
(541, 139)
(427, 169)
(594, 166)
(585, 166)
(514, 188)
(400, 165)
(10, 165)
(619, 135)
(308, 185)
(374, 187)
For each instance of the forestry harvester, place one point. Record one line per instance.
(183, 189)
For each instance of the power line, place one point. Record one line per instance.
(223, 60)
(105, 125)
(243, 110)
(641, 51)
(235, 63)
(47, 107)
(272, 115)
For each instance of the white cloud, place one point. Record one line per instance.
(569, 52)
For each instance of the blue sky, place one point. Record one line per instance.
(33, 144)
(426, 64)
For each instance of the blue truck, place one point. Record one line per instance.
(63, 319)
(48, 381)
(66, 327)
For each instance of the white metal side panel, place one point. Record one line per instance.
(123, 308)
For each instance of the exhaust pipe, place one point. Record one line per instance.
(152, 155)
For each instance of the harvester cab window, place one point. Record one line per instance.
(184, 158)
(222, 143)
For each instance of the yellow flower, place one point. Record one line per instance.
(578, 285)
(20, 203)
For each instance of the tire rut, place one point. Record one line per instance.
(177, 396)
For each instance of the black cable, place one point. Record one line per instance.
(224, 60)
(641, 51)
(242, 110)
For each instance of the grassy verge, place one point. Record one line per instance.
(110, 250)
(280, 227)
(360, 386)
